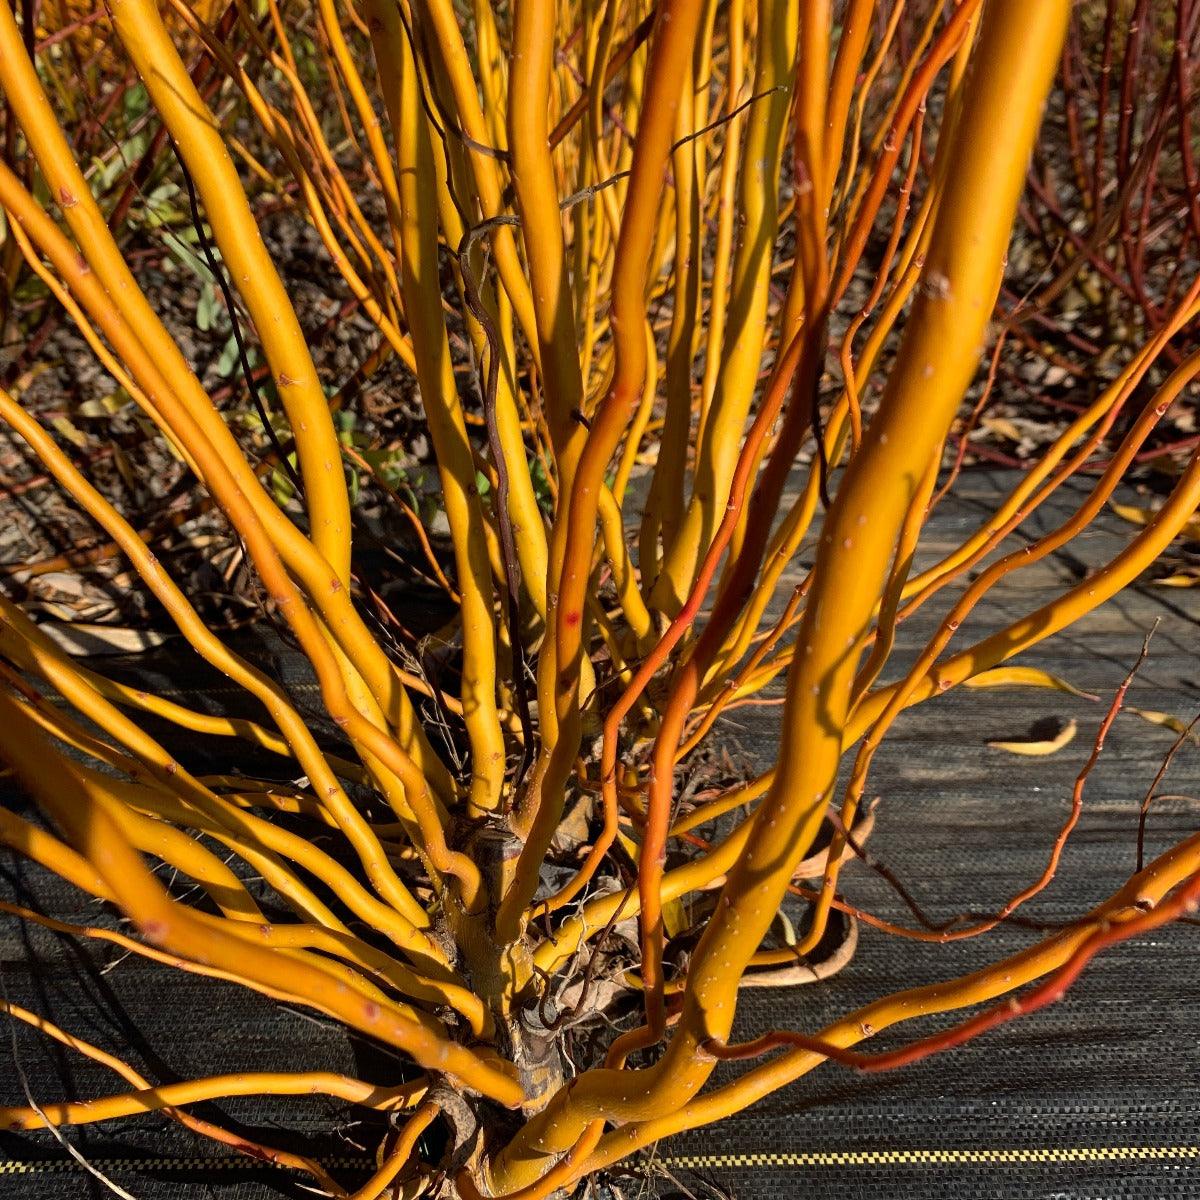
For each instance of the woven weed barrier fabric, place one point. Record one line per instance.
(1095, 1097)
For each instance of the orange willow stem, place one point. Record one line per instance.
(671, 50)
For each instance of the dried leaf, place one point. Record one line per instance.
(102, 407)
(1131, 513)
(629, 845)
(1166, 720)
(72, 433)
(675, 917)
(83, 640)
(1025, 677)
(800, 973)
(1181, 579)
(62, 582)
(1143, 516)
(1004, 427)
(1036, 746)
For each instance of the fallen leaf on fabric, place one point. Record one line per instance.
(1037, 743)
(1025, 677)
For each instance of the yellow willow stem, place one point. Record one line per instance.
(370, 250)
(851, 200)
(400, 1154)
(419, 276)
(445, 40)
(847, 67)
(108, 291)
(34, 843)
(1109, 408)
(537, 198)
(541, 226)
(704, 72)
(739, 797)
(633, 439)
(666, 490)
(300, 740)
(238, 727)
(850, 375)
(671, 52)
(863, 89)
(589, 229)
(813, 272)
(333, 74)
(906, 547)
(172, 1095)
(259, 935)
(87, 819)
(961, 280)
(194, 130)
(812, 98)
(612, 526)
(597, 162)
(524, 514)
(1142, 893)
(731, 161)
(745, 324)
(493, 69)
(1014, 65)
(255, 1150)
(21, 642)
(326, 178)
(380, 157)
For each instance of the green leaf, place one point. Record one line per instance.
(208, 311)
(228, 361)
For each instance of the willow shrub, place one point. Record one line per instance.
(614, 215)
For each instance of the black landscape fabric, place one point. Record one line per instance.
(1096, 1097)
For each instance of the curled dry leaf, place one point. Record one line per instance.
(1166, 720)
(1037, 744)
(813, 867)
(809, 970)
